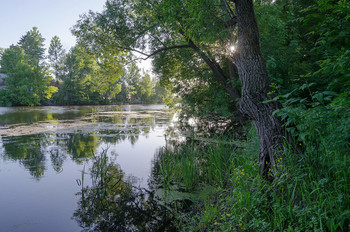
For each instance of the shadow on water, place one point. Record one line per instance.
(111, 203)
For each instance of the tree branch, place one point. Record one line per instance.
(155, 52)
(231, 23)
(229, 9)
(215, 67)
(219, 74)
(233, 19)
(167, 48)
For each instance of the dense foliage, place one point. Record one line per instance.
(26, 85)
(306, 48)
(80, 76)
(181, 40)
(309, 64)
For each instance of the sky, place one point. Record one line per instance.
(51, 17)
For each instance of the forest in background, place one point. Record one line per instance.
(76, 77)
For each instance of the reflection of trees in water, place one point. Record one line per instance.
(81, 146)
(148, 125)
(28, 151)
(23, 117)
(112, 204)
(78, 146)
(129, 132)
(32, 115)
(32, 151)
(57, 157)
(188, 126)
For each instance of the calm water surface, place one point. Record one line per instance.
(43, 151)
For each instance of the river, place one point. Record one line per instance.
(46, 153)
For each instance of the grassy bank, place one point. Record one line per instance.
(215, 186)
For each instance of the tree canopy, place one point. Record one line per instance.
(26, 85)
(199, 47)
(83, 75)
(33, 45)
(56, 56)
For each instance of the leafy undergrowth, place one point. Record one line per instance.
(217, 187)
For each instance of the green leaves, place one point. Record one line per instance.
(26, 84)
(56, 56)
(33, 45)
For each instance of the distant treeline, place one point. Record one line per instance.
(79, 76)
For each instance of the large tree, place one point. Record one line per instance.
(26, 85)
(33, 45)
(89, 77)
(164, 27)
(146, 88)
(207, 29)
(78, 67)
(255, 101)
(129, 82)
(56, 56)
(108, 71)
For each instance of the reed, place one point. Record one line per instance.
(310, 193)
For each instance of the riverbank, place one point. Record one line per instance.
(217, 187)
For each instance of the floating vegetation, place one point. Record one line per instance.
(121, 120)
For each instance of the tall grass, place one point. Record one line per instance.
(195, 164)
(310, 193)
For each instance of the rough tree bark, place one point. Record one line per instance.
(253, 75)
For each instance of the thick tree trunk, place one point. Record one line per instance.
(256, 87)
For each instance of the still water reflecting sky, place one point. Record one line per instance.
(43, 151)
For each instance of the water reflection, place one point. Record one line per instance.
(108, 125)
(27, 115)
(81, 146)
(28, 151)
(51, 145)
(57, 157)
(111, 203)
(1, 146)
